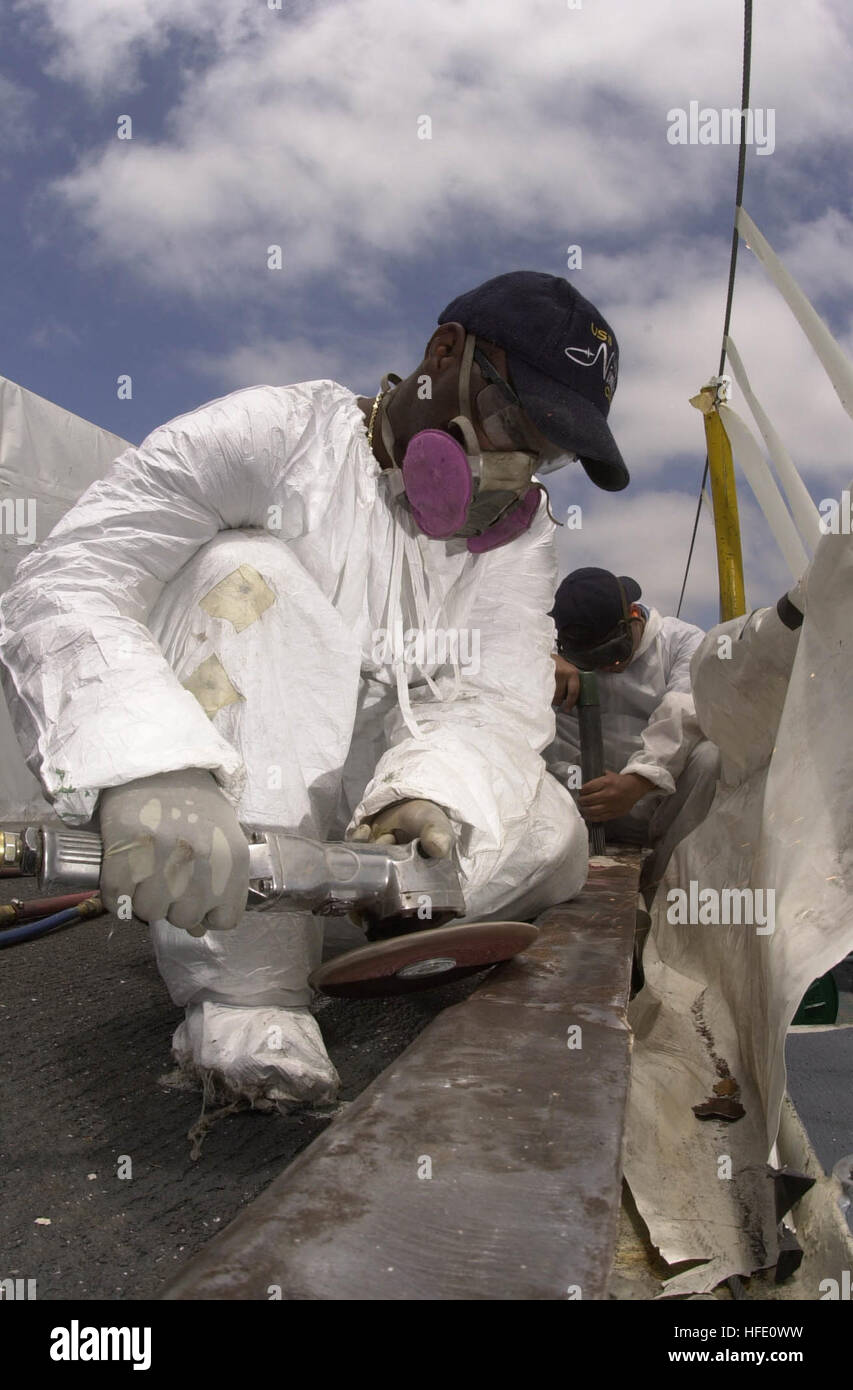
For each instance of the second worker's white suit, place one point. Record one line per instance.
(227, 598)
(649, 727)
(646, 729)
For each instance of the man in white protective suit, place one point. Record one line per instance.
(212, 640)
(661, 772)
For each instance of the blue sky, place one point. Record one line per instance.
(254, 126)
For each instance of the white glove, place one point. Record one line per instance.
(174, 846)
(410, 820)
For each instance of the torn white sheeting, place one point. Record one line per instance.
(803, 509)
(48, 457)
(836, 365)
(763, 484)
(719, 998)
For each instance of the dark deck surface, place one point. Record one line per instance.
(485, 1163)
(86, 1026)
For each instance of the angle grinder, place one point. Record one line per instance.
(393, 889)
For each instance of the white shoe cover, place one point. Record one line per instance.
(259, 1053)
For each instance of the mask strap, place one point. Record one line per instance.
(465, 376)
(464, 420)
(388, 384)
(471, 444)
(542, 488)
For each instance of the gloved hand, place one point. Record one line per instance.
(173, 844)
(568, 683)
(410, 820)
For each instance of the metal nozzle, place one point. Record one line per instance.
(20, 851)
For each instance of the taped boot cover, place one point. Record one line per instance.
(256, 1053)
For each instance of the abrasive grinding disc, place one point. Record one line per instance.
(422, 959)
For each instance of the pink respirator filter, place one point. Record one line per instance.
(439, 486)
(438, 483)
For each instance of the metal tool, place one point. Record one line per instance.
(592, 746)
(392, 888)
(386, 883)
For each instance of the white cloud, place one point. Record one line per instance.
(299, 127)
(667, 304)
(820, 253)
(51, 334)
(303, 130)
(101, 43)
(356, 363)
(647, 536)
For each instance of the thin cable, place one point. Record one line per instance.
(692, 540)
(741, 172)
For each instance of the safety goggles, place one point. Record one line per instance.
(504, 422)
(616, 648)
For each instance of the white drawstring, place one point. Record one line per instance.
(405, 547)
(414, 562)
(423, 616)
(394, 621)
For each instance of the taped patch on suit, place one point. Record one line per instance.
(241, 598)
(211, 686)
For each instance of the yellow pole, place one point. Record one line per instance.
(724, 494)
(726, 519)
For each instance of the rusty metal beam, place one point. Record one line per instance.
(485, 1163)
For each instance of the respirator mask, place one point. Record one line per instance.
(455, 488)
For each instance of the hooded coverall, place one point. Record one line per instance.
(221, 600)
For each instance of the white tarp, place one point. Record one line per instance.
(48, 457)
(719, 998)
(835, 363)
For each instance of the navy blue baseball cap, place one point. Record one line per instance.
(589, 604)
(563, 361)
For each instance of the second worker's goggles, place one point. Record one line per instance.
(613, 649)
(616, 648)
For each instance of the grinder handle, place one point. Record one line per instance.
(69, 861)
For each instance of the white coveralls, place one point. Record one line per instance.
(218, 600)
(649, 727)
